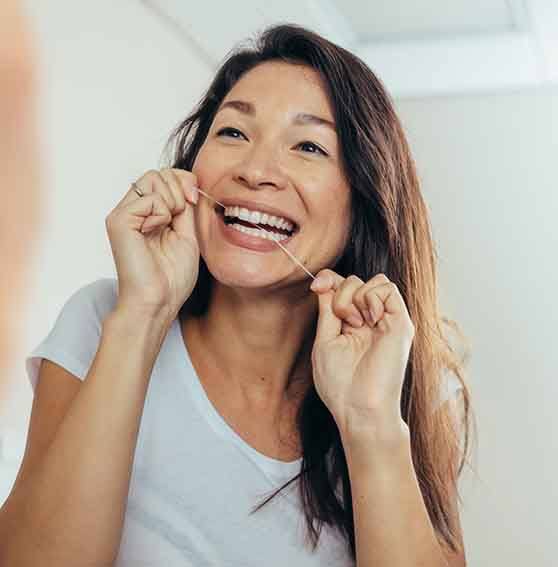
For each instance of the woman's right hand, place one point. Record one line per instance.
(154, 243)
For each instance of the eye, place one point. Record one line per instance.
(222, 131)
(228, 130)
(313, 146)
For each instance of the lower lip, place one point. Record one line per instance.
(247, 241)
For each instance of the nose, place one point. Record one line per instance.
(259, 167)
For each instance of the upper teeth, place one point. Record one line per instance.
(256, 217)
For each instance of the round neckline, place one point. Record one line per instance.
(274, 466)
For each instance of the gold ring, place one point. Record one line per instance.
(137, 189)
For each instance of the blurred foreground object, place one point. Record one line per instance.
(19, 180)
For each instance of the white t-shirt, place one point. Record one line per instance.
(194, 479)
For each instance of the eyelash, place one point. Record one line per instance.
(229, 129)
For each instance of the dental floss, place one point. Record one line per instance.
(258, 226)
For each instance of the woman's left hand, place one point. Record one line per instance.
(358, 371)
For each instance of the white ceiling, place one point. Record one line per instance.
(398, 20)
(416, 48)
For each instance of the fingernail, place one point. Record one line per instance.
(355, 321)
(195, 194)
(319, 282)
(372, 316)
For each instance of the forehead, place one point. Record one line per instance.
(277, 83)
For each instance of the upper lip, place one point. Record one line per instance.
(255, 206)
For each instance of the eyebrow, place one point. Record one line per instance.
(301, 118)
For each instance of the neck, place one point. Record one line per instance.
(259, 345)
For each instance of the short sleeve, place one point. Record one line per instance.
(74, 339)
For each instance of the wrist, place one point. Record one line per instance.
(378, 430)
(136, 320)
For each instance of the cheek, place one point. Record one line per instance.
(211, 165)
(334, 217)
(331, 202)
(202, 167)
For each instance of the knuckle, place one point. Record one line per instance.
(369, 297)
(354, 279)
(360, 296)
(164, 177)
(160, 201)
(342, 308)
(167, 190)
(171, 200)
(176, 178)
(185, 175)
(327, 274)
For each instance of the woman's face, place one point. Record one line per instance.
(265, 151)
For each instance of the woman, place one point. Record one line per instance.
(241, 374)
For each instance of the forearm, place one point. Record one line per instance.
(392, 526)
(70, 510)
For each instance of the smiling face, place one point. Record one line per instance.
(266, 151)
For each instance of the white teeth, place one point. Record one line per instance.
(259, 232)
(257, 217)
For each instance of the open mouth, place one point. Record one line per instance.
(267, 227)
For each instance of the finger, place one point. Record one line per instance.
(176, 190)
(343, 305)
(329, 325)
(370, 304)
(156, 221)
(131, 195)
(326, 280)
(388, 300)
(149, 209)
(188, 182)
(183, 223)
(161, 186)
(182, 198)
(147, 184)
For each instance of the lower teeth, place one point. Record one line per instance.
(259, 232)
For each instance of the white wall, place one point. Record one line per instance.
(488, 167)
(116, 82)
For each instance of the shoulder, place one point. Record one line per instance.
(74, 338)
(96, 299)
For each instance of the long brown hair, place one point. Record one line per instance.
(390, 233)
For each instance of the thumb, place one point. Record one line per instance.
(329, 325)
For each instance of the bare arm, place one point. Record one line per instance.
(392, 526)
(70, 509)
